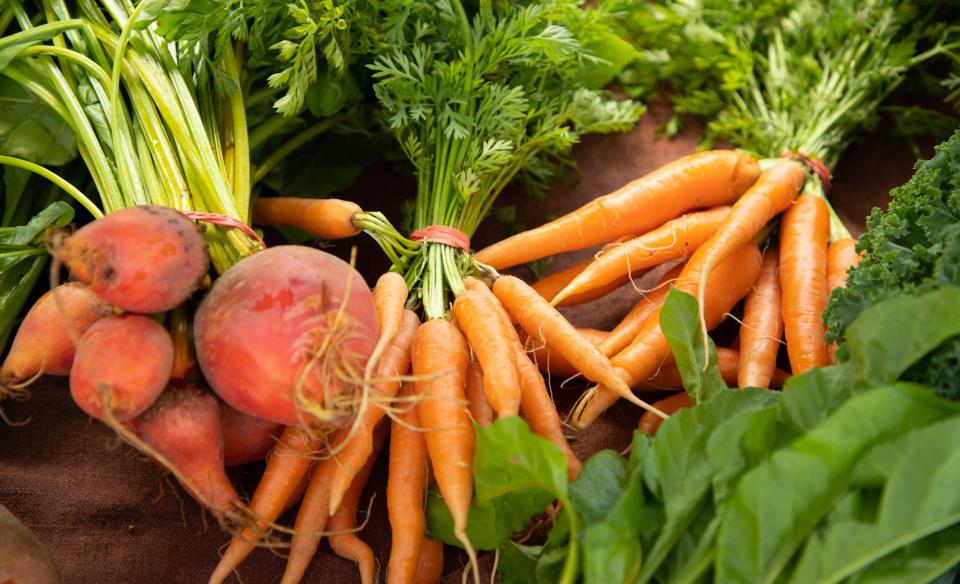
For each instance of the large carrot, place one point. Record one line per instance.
(552, 363)
(343, 524)
(490, 339)
(430, 567)
(649, 424)
(550, 285)
(406, 487)
(730, 282)
(480, 409)
(326, 218)
(396, 362)
(627, 329)
(674, 239)
(841, 257)
(703, 179)
(803, 277)
(773, 192)
(544, 324)
(440, 360)
(286, 467)
(538, 409)
(762, 326)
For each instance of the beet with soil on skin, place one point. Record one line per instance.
(45, 340)
(246, 438)
(273, 342)
(142, 259)
(125, 360)
(184, 426)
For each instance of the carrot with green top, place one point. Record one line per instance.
(702, 179)
(326, 218)
(677, 238)
(762, 326)
(804, 233)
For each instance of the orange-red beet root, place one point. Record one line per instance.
(123, 359)
(184, 426)
(142, 259)
(271, 337)
(45, 340)
(246, 438)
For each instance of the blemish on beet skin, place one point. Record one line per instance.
(283, 298)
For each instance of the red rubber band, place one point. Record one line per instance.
(814, 164)
(443, 234)
(225, 221)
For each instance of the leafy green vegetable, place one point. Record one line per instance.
(679, 320)
(477, 96)
(31, 130)
(912, 248)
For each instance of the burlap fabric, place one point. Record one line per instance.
(107, 517)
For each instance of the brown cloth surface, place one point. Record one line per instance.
(108, 517)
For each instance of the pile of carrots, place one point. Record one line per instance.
(719, 225)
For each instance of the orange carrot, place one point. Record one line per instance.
(477, 319)
(773, 192)
(406, 488)
(546, 325)
(326, 218)
(649, 424)
(311, 519)
(730, 282)
(343, 524)
(286, 466)
(430, 566)
(389, 297)
(668, 376)
(538, 409)
(703, 179)
(480, 409)
(396, 362)
(674, 239)
(803, 278)
(440, 360)
(627, 329)
(841, 257)
(762, 326)
(552, 363)
(550, 285)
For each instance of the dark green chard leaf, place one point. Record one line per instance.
(777, 505)
(516, 475)
(921, 471)
(31, 130)
(921, 561)
(518, 563)
(808, 399)
(679, 320)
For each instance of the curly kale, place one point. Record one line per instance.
(911, 248)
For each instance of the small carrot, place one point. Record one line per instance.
(406, 488)
(730, 282)
(803, 277)
(552, 363)
(286, 467)
(477, 319)
(762, 326)
(389, 297)
(703, 179)
(550, 285)
(440, 360)
(627, 329)
(668, 376)
(649, 424)
(430, 566)
(677, 238)
(538, 409)
(343, 524)
(773, 192)
(326, 218)
(480, 409)
(841, 257)
(545, 324)
(311, 521)
(396, 362)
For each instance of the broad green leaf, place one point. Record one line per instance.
(679, 320)
(30, 130)
(809, 398)
(518, 563)
(886, 339)
(778, 504)
(613, 54)
(55, 215)
(921, 561)
(610, 554)
(920, 498)
(516, 475)
(599, 487)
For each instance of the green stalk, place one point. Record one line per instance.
(264, 168)
(55, 179)
(241, 145)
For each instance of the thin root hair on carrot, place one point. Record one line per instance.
(745, 325)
